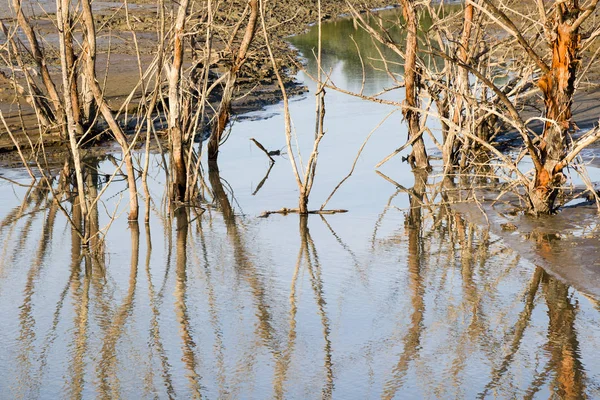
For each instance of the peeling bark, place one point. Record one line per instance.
(558, 87)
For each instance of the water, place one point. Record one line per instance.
(384, 301)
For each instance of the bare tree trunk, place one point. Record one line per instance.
(418, 157)
(225, 107)
(557, 86)
(175, 128)
(40, 62)
(88, 106)
(70, 55)
(73, 128)
(303, 202)
(90, 66)
(462, 83)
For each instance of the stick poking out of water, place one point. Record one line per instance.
(286, 211)
(260, 146)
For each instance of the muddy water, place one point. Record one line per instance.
(386, 301)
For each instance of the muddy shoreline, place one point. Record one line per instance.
(256, 89)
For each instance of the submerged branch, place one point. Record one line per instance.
(286, 211)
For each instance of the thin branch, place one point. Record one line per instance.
(260, 146)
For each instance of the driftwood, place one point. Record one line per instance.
(286, 211)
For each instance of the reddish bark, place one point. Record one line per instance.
(557, 86)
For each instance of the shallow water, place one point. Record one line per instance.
(383, 301)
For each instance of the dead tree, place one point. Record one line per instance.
(562, 29)
(73, 127)
(303, 181)
(562, 22)
(39, 58)
(175, 119)
(224, 111)
(181, 127)
(412, 73)
(119, 135)
(553, 150)
(64, 110)
(462, 86)
(31, 91)
(412, 77)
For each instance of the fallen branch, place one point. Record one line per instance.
(286, 211)
(260, 146)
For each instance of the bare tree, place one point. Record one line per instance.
(418, 157)
(74, 129)
(40, 61)
(562, 27)
(553, 150)
(224, 111)
(481, 88)
(119, 135)
(304, 179)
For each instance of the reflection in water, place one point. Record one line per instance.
(264, 179)
(227, 307)
(114, 328)
(244, 268)
(81, 298)
(427, 305)
(344, 40)
(156, 341)
(412, 340)
(284, 360)
(28, 334)
(308, 252)
(563, 345)
(517, 332)
(181, 308)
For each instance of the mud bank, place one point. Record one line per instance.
(121, 58)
